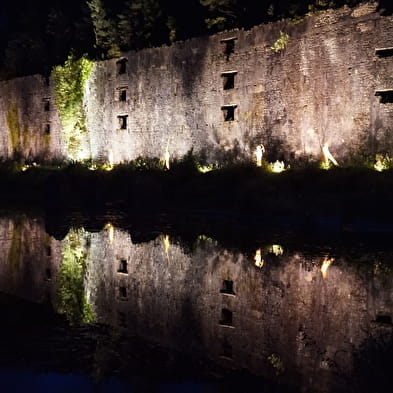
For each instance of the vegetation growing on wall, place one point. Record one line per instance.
(69, 81)
(281, 42)
(13, 126)
(71, 299)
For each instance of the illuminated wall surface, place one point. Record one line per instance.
(225, 94)
(273, 312)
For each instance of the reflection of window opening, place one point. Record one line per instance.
(384, 52)
(121, 66)
(121, 319)
(122, 94)
(48, 251)
(229, 47)
(226, 317)
(227, 287)
(229, 79)
(47, 129)
(48, 274)
(226, 349)
(122, 122)
(229, 112)
(123, 292)
(384, 319)
(386, 95)
(123, 266)
(46, 105)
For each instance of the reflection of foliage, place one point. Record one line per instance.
(69, 81)
(281, 42)
(71, 292)
(277, 363)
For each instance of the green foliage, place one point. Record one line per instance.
(70, 280)
(280, 43)
(104, 29)
(276, 363)
(13, 125)
(69, 83)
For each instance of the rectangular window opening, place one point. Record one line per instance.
(228, 112)
(123, 94)
(226, 317)
(123, 292)
(227, 287)
(123, 266)
(48, 251)
(47, 129)
(121, 319)
(386, 96)
(46, 105)
(122, 122)
(226, 349)
(121, 66)
(229, 80)
(229, 46)
(384, 52)
(384, 319)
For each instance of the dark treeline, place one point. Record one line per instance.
(34, 36)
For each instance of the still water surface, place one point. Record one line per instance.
(104, 310)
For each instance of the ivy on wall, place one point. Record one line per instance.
(71, 299)
(69, 81)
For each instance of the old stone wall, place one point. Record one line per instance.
(225, 94)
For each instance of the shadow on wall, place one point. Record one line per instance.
(373, 362)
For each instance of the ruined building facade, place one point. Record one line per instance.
(290, 87)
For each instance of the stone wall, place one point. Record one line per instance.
(320, 88)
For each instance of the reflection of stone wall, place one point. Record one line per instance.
(320, 88)
(283, 319)
(29, 259)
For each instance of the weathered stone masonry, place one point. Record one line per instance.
(225, 94)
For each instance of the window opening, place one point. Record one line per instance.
(229, 112)
(121, 66)
(122, 122)
(229, 46)
(386, 96)
(384, 319)
(123, 268)
(48, 274)
(48, 251)
(226, 317)
(384, 52)
(47, 129)
(123, 292)
(123, 94)
(46, 105)
(227, 287)
(229, 80)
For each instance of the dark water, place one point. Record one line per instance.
(113, 307)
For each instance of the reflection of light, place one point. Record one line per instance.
(166, 246)
(381, 162)
(325, 264)
(205, 168)
(327, 157)
(258, 258)
(276, 249)
(166, 158)
(259, 153)
(108, 166)
(277, 166)
(111, 231)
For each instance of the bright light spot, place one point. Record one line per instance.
(276, 249)
(382, 162)
(328, 159)
(25, 168)
(166, 158)
(258, 258)
(205, 168)
(111, 231)
(108, 166)
(278, 166)
(259, 153)
(166, 246)
(205, 238)
(325, 264)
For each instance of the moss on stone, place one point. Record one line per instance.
(69, 81)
